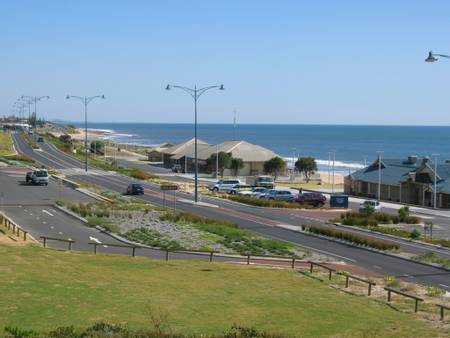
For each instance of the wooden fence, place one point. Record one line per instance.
(15, 228)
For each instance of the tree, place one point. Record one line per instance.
(236, 165)
(307, 166)
(66, 141)
(97, 147)
(274, 166)
(224, 162)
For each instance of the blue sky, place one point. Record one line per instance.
(324, 62)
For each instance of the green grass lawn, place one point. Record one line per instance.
(43, 289)
(6, 144)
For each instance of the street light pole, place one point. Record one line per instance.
(332, 168)
(432, 57)
(195, 93)
(85, 100)
(34, 99)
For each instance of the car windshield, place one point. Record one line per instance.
(41, 173)
(265, 179)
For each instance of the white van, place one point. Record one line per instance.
(39, 176)
(224, 185)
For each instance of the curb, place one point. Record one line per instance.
(70, 213)
(365, 248)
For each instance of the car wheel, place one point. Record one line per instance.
(215, 189)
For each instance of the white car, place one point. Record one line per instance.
(255, 192)
(224, 185)
(373, 204)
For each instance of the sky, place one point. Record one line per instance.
(313, 62)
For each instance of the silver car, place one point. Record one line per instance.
(280, 195)
(224, 185)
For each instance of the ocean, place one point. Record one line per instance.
(353, 145)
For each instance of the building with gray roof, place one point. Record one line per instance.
(409, 181)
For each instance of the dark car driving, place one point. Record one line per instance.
(311, 198)
(135, 189)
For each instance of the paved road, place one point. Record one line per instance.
(258, 220)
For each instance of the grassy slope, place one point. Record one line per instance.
(43, 289)
(6, 144)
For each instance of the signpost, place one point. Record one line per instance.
(170, 187)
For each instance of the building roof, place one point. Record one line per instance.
(396, 171)
(183, 148)
(247, 151)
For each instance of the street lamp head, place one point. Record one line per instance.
(168, 87)
(103, 97)
(221, 87)
(431, 58)
(67, 96)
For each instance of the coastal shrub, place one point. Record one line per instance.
(140, 174)
(433, 291)
(431, 257)
(391, 281)
(375, 218)
(107, 330)
(21, 158)
(241, 241)
(415, 234)
(152, 238)
(257, 202)
(354, 238)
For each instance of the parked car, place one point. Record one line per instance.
(370, 204)
(241, 189)
(224, 185)
(261, 181)
(40, 139)
(311, 198)
(280, 195)
(135, 189)
(39, 176)
(256, 192)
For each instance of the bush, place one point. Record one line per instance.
(21, 158)
(375, 218)
(257, 202)
(354, 238)
(415, 234)
(433, 291)
(391, 281)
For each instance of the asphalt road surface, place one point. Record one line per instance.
(259, 220)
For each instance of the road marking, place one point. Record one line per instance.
(52, 227)
(377, 267)
(47, 212)
(44, 222)
(25, 210)
(60, 232)
(93, 239)
(31, 214)
(445, 286)
(38, 218)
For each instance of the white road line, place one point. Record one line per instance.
(60, 232)
(445, 286)
(94, 239)
(377, 267)
(47, 212)
(44, 222)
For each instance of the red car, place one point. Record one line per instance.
(312, 198)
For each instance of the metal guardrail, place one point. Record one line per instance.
(441, 310)
(10, 225)
(404, 294)
(330, 270)
(69, 242)
(369, 282)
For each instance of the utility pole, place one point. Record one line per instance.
(217, 160)
(435, 180)
(334, 160)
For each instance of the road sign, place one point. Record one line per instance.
(169, 187)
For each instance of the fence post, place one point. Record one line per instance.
(442, 313)
(329, 274)
(248, 259)
(45, 242)
(311, 268)
(346, 281)
(134, 251)
(70, 245)
(389, 295)
(167, 255)
(293, 262)
(95, 248)
(24, 235)
(416, 307)
(14, 229)
(370, 289)
(211, 256)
